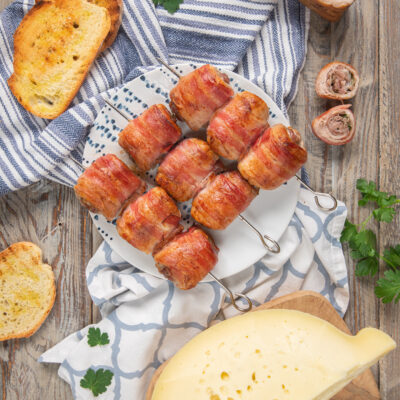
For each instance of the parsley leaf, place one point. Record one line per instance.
(367, 266)
(170, 5)
(392, 257)
(349, 232)
(362, 242)
(370, 193)
(384, 214)
(95, 337)
(97, 381)
(388, 288)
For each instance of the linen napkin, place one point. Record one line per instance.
(148, 319)
(227, 33)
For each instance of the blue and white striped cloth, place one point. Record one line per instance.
(227, 33)
(146, 318)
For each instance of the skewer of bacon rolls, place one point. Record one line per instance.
(151, 222)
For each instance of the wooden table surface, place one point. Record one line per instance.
(367, 37)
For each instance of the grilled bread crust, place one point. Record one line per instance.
(27, 290)
(54, 48)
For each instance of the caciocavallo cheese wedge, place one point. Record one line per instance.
(270, 355)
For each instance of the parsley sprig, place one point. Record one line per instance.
(362, 242)
(97, 381)
(95, 337)
(170, 5)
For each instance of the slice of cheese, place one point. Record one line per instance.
(270, 355)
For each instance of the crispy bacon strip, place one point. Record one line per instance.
(186, 169)
(199, 94)
(107, 185)
(337, 81)
(150, 221)
(148, 137)
(274, 158)
(222, 200)
(332, 10)
(237, 125)
(335, 126)
(187, 258)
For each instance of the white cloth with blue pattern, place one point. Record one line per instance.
(147, 318)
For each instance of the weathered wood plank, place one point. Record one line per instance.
(389, 121)
(352, 40)
(33, 214)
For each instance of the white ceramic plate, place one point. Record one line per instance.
(239, 246)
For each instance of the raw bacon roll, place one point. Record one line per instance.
(148, 137)
(274, 158)
(335, 126)
(331, 10)
(237, 125)
(107, 185)
(337, 81)
(222, 200)
(188, 258)
(150, 221)
(186, 169)
(199, 94)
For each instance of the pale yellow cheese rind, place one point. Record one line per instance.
(270, 355)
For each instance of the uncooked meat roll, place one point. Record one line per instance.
(337, 81)
(186, 169)
(237, 125)
(274, 158)
(336, 126)
(148, 137)
(188, 258)
(222, 200)
(332, 10)
(107, 185)
(150, 221)
(199, 94)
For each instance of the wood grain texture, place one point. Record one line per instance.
(368, 36)
(389, 163)
(34, 214)
(361, 388)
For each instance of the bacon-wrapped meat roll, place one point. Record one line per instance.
(107, 185)
(148, 137)
(186, 169)
(337, 81)
(331, 10)
(336, 126)
(222, 200)
(237, 125)
(188, 258)
(199, 94)
(150, 221)
(274, 158)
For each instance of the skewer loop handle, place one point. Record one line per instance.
(317, 196)
(234, 295)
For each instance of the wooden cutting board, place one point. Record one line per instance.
(363, 387)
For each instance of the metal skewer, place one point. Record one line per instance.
(227, 290)
(269, 243)
(232, 295)
(316, 194)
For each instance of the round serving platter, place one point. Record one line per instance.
(270, 212)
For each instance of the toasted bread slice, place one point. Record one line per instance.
(115, 9)
(27, 290)
(54, 47)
